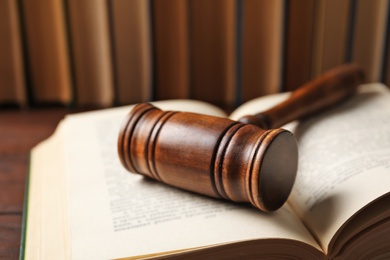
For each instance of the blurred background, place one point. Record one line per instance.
(102, 53)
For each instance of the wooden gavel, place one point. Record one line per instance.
(247, 161)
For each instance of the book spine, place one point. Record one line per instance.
(50, 76)
(91, 52)
(131, 46)
(171, 54)
(262, 47)
(299, 43)
(212, 48)
(385, 77)
(332, 22)
(12, 80)
(368, 44)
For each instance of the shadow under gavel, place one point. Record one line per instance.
(252, 160)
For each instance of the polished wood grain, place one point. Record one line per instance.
(322, 93)
(19, 132)
(222, 158)
(214, 156)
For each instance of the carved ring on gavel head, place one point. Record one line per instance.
(227, 159)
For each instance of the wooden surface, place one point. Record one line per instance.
(19, 132)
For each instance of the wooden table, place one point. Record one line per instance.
(19, 132)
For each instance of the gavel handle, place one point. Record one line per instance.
(315, 96)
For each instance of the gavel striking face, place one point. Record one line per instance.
(247, 161)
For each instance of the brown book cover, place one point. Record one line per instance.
(263, 29)
(48, 51)
(298, 42)
(91, 51)
(212, 47)
(12, 79)
(331, 30)
(171, 56)
(369, 37)
(386, 63)
(131, 45)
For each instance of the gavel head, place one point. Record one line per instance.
(210, 155)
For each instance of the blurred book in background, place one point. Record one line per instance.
(299, 28)
(212, 50)
(330, 38)
(132, 50)
(369, 35)
(262, 47)
(91, 52)
(48, 58)
(171, 49)
(12, 79)
(117, 52)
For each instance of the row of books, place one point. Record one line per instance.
(115, 52)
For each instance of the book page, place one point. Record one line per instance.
(344, 161)
(46, 208)
(344, 157)
(116, 214)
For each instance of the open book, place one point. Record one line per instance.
(82, 204)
